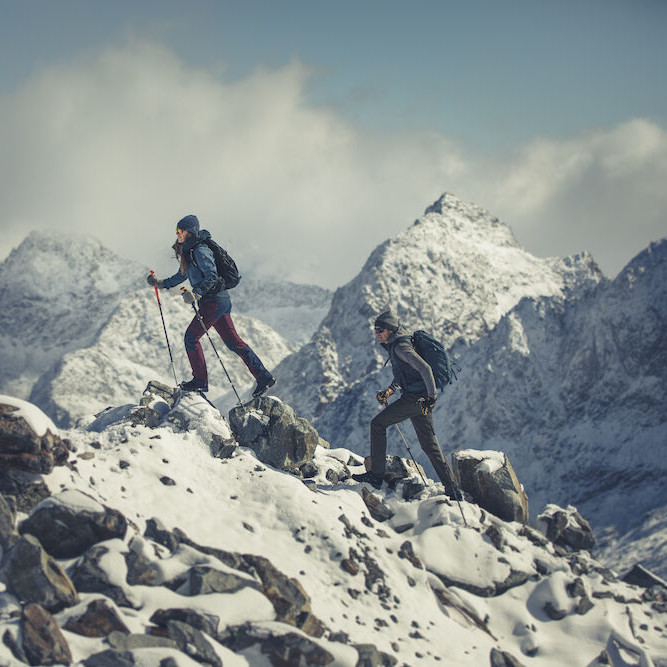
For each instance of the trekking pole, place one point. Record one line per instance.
(458, 502)
(164, 326)
(203, 326)
(456, 488)
(383, 402)
(405, 442)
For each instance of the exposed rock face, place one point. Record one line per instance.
(640, 576)
(280, 649)
(22, 448)
(33, 576)
(566, 527)
(271, 429)
(24, 488)
(69, 523)
(8, 534)
(89, 577)
(98, 620)
(43, 643)
(489, 478)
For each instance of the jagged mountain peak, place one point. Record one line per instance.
(457, 214)
(455, 259)
(54, 264)
(652, 258)
(456, 271)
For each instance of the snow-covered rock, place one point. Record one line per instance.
(238, 563)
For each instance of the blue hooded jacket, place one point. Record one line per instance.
(201, 272)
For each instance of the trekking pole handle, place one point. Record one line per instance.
(194, 299)
(157, 294)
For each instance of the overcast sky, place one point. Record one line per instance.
(303, 134)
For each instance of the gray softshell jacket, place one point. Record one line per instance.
(412, 374)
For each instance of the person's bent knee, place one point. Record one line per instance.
(377, 423)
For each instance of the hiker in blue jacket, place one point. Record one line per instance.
(414, 378)
(197, 264)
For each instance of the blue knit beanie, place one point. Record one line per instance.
(189, 224)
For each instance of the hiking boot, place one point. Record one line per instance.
(194, 385)
(263, 384)
(453, 493)
(373, 480)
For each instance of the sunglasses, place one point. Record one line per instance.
(379, 329)
(179, 231)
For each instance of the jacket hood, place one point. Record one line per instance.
(401, 332)
(196, 238)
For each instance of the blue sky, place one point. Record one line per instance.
(345, 121)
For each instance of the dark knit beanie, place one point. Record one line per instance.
(189, 224)
(387, 320)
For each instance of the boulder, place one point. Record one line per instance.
(192, 642)
(119, 641)
(489, 478)
(202, 621)
(43, 642)
(98, 620)
(89, 577)
(33, 576)
(566, 528)
(69, 523)
(369, 655)
(500, 658)
(288, 597)
(376, 507)
(277, 436)
(27, 489)
(22, 447)
(203, 580)
(640, 576)
(110, 658)
(289, 648)
(399, 469)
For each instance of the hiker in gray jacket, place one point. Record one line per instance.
(414, 378)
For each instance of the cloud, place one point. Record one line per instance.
(121, 143)
(602, 191)
(125, 142)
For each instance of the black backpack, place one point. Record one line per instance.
(435, 354)
(225, 266)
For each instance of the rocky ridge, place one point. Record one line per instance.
(163, 540)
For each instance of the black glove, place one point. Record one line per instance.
(426, 404)
(152, 280)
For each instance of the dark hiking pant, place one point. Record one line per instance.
(217, 315)
(407, 407)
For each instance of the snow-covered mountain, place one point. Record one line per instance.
(455, 272)
(213, 558)
(293, 310)
(81, 329)
(561, 368)
(577, 386)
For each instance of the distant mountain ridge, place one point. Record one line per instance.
(574, 392)
(77, 321)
